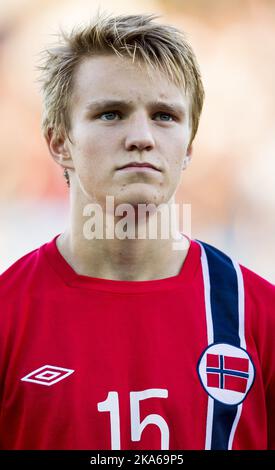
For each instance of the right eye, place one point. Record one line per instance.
(109, 116)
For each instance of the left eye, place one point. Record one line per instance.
(167, 117)
(109, 116)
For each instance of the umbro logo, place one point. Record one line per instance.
(47, 375)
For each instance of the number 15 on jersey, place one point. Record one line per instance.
(111, 405)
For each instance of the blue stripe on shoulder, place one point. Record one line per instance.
(223, 296)
(225, 319)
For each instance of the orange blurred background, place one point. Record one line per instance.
(230, 182)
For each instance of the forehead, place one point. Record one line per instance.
(112, 77)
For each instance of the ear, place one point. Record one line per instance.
(59, 150)
(189, 152)
(187, 157)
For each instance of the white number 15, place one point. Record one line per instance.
(111, 404)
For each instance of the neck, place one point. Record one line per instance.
(135, 259)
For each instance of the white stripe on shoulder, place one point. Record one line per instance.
(209, 423)
(210, 339)
(241, 311)
(234, 426)
(241, 306)
(205, 272)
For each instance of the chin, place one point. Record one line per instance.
(144, 196)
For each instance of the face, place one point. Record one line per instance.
(120, 115)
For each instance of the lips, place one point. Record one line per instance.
(139, 165)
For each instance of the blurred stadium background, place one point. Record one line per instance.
(230, 182)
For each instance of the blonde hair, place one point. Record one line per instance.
(161, 47)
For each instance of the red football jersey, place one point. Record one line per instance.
(90, 363)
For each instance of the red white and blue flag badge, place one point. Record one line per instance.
(226, 373)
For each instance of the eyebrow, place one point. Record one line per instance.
(127, 105)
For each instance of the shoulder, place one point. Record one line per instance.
(19, 270)
(24, 274)
(257, 284)
(16, 287)
(22, 285)
(252, 280)
(259, 294)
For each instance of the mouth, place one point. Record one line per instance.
(136, 166)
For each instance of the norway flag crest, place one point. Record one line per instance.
(226, 373)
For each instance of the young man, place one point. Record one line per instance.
(127, 343)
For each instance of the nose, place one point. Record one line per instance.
(139, 135)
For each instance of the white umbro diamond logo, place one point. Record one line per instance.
(47, 375)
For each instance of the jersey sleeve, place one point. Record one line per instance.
(269, 368)
(260, 295)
